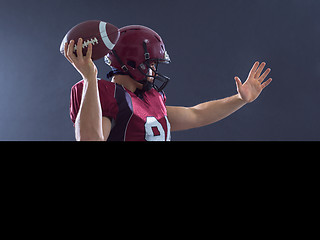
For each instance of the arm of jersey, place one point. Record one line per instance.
(184, 118)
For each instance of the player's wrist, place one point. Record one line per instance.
(90, 79)
(238, 96)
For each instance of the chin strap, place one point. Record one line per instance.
(123, 66)
(146, 53)
(125, 70)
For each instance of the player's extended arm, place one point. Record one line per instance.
(183, 118)
(89, 124)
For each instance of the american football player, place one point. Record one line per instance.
(132, 107)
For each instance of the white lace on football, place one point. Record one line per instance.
(86, 43)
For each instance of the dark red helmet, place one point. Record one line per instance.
(137, 48)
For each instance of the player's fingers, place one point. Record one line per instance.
(259, 70)
(266, 83)
(264, 75)
(254, 69)
(66, 52)
(89, 51)
(238, 82)
(70, 54)
(79, 48)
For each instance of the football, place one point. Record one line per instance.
(102, 35)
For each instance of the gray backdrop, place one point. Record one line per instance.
(209, 42)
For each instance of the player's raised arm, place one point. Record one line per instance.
(183, 118)
(94, 39)
(88, 124)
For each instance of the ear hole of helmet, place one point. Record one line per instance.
(131, 63)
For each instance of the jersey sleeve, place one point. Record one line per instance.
(106, 92)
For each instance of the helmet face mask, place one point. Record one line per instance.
(158, 81)
(138, 53)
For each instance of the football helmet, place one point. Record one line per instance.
(139, 50)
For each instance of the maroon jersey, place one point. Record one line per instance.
(133, 118)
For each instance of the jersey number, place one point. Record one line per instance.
(155, 131)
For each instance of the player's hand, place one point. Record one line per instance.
(83, 64)
(254, 84)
